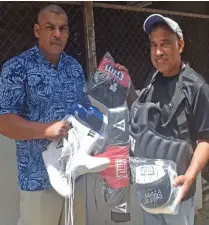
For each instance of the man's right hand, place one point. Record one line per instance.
(132, 96)
(57, 130)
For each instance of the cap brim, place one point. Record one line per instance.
(152, 20)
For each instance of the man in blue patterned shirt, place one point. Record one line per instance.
(37, 89)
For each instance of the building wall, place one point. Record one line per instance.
(9, 198)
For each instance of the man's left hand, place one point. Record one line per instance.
(185, 181)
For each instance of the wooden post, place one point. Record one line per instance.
(90, 46)
(91, 65)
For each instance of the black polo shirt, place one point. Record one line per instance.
(196, 107)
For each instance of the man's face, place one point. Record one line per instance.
(52, 33)
(165, 50)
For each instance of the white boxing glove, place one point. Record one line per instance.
(71, 158)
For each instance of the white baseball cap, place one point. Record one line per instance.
(157, 18)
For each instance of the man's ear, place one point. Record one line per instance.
(181, 45)
(37, 30)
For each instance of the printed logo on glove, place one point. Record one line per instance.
(116, 174)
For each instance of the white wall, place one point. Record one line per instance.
(9, 201)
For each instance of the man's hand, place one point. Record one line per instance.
(120, 67)
(185, 181)
(57, 130)
(132, 96)
(199, 160)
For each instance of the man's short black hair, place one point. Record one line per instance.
(53, 9)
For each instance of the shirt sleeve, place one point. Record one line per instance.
(12, 87)
(200, 113)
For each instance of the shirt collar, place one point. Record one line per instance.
(42, 59)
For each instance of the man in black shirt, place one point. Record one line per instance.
(166, 46)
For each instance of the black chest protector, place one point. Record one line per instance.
(152, 139)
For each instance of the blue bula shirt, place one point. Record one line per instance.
(32, 88)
